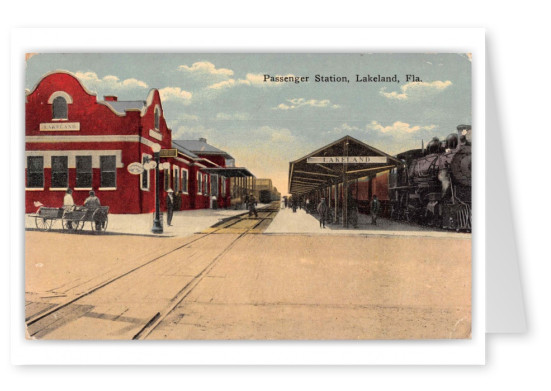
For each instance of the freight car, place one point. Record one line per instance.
(433, 186)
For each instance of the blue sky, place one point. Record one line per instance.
(264, 125)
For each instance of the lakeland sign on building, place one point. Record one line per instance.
(73, 140)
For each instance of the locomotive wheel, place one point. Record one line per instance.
(43, 224)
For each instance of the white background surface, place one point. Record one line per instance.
(516, 48)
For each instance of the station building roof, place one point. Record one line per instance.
(121, 106)
(200, 147)
(229, 172)
(328, 165)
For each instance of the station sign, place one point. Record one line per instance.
(135, 168)
(172, 152)
(59, 126)
(347, 159)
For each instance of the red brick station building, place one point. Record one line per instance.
(73, 140)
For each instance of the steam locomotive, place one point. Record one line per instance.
(433, 186)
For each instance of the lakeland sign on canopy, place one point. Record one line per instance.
(347, 159)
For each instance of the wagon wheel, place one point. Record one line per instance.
(101, 218)
(43, 224)
(69, 225)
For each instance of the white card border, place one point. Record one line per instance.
(246, 40)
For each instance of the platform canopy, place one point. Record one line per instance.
(344, 159)
(229, 172)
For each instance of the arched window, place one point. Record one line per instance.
(157, 118)
(59, 108)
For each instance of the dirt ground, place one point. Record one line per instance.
(273, 287)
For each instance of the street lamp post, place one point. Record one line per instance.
(157, 226)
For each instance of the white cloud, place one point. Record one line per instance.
(251, 80)
(226, 84)
(109, 82)
(397, 127)
(188, 117)
(184, 132)
(344, 128)
(295, 103)
(232, 116)
(175, 94)
(281, 136)
(417, 90)
(206, 68)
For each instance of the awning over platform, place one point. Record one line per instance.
(229, 172)
(343, 160)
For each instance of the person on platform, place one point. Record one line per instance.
(68, 202)
(322, 210)
(169, 206)
(69, 205)
(374, 209)
(252, 206)
(93, 202)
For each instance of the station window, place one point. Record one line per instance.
(35, 171)
(184, 181)
(214, 185)
(205, 184)
(176, 180)
(59, 108)
(157, 117)
(144, 176)
(108, 170)
(223, 186)
(167, 179)
(60, 171)
(84, 171)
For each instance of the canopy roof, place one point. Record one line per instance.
(229, 172)
(345, 156)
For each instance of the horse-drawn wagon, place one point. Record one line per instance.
(72, 218)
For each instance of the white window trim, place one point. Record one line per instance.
(82, 188)
(146, 172)
(68, 98)
(107, 188)
(187, 181)
(57, 189)
(199, 183)
(35, 189)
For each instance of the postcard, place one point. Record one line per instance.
(248, 196)
(267, 197)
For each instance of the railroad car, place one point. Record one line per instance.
(267, 196)
(433, 186)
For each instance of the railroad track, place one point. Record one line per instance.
(240, 225)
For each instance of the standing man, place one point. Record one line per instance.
(322, 210)
(252, 206)
(68, 201)
(69, 205)
(169, 206)
(375, 207)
